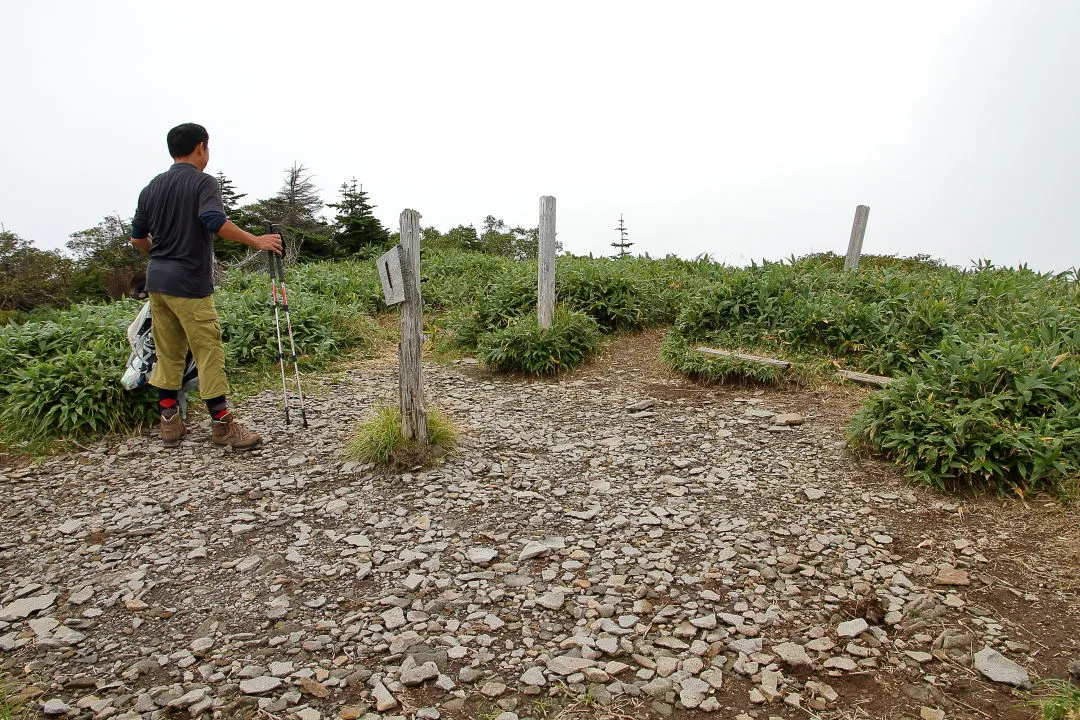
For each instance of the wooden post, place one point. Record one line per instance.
(413, 410)
(545, 283)
(858, 229)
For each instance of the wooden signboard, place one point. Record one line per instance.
(393, 282)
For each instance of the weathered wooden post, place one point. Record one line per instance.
(858, 229)
(545, 290)
(413, 410)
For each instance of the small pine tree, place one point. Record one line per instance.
(229, 197)
(356, 229)
(623, 245)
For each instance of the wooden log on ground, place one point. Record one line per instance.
(783, 364)
(865, 378)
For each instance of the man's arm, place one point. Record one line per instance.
(229, 231)
(140, 228)
(212, 217)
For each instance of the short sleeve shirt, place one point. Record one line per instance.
(182, 250)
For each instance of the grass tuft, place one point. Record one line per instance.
(381, 441)
(1061, 701)
(12, 706)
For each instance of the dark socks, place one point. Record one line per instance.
(218, 407)
(167, 403)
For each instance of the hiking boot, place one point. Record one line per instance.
(172, 430)
(227, 432)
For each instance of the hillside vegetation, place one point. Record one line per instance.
(987, 360)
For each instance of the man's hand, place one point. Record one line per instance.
(268, 242)
(142, 243)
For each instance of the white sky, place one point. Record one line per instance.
(740, 129)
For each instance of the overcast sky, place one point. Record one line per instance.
(739, 129)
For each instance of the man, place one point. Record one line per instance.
(177, 216)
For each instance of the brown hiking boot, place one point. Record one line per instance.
(227, 432)
(172, 430)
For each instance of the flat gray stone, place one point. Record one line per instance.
(24, 607)
(259, 685)
(419, 674)
(534, 676)
(839, 662)
(394, 618)
(793, 654)
(188, 699)
(552, 600)
(692, 692)
(564, 665)
(746, 645)
(533, 550)
(70, 527)
(56, 706)
(1000, 669)
(852, 628)
(383, 699)
(481, 555)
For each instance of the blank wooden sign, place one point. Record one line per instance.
(393, 283)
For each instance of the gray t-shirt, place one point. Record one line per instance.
(182, 250)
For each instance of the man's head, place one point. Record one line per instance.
(190, 143)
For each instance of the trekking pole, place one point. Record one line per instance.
(275, 258)
(272, 267)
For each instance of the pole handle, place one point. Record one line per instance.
(277, 269)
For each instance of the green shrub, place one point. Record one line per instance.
(60, 371)
(607, 291)
(523, 346)
(986, 413)
(452, 279)
(381, 441)
(248, 329)
(69, 395)
(503, 302)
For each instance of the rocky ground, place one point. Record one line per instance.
(621, 543)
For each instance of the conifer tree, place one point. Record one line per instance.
(623, 245)
(295, 208)
(356, 229)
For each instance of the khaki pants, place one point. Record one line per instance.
(180, 323)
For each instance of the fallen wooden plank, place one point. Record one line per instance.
(864, 378)
(783, 364)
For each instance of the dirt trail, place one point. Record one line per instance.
(619, 541)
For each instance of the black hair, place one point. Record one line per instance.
(183, 139)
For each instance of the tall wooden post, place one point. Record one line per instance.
(858, 229)
(413, 410)
(545, 284)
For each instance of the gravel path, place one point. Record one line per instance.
(601, 545)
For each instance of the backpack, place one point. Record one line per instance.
(143, 356)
